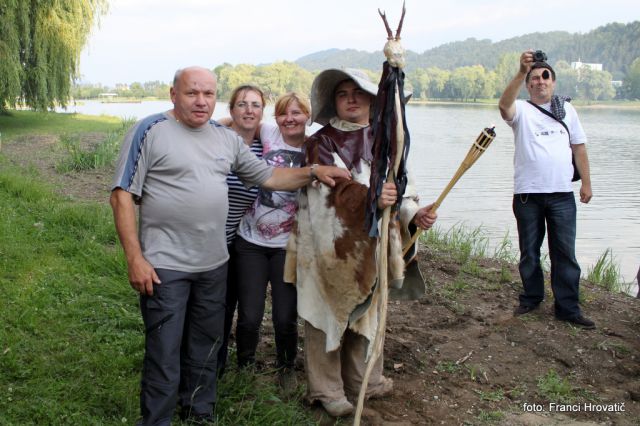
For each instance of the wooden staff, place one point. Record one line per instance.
(383, 284)
(395, 57)
(478, 148)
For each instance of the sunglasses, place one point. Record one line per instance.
(544, 76)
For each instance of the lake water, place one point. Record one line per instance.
(441, 135)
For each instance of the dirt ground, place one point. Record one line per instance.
(458, 356)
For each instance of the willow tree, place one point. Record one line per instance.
(40, 46)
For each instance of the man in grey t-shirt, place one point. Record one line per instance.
(174, 165)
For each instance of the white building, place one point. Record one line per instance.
(578, 65)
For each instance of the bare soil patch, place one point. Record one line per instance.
(464, 358)
(458, 356)
(42, 153)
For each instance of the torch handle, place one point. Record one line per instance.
(437, 203)
(479, 146)
(449, 186)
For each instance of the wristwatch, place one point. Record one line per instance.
(312, 172)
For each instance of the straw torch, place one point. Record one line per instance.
(478, 148)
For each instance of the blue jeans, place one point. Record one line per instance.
(558, 211)
(230, 310)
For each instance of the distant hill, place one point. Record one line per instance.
(614, 45)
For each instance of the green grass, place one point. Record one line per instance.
(490, 417)
(100, 155)
(247, 398)
(476, 372)
(461, 242)
(450, 367)
(20, 123)
(71, 336)
(616, 349)
(606, 273)
(505, 250)
(472, 268)
(505, 275)
(71, 340)
(465, 245)
(494, 396)
(555, 388)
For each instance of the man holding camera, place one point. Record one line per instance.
(547, 132)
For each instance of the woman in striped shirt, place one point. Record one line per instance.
(246, 106)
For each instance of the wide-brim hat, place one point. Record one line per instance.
(324, 86)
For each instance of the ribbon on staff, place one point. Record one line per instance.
(390, 146)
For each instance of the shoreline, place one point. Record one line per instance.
(628, 105)
(578, 104)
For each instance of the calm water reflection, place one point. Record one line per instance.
(441, 136)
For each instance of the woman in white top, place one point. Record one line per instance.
(261, 240)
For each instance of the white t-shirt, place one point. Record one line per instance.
(268, 221)
(542, 158)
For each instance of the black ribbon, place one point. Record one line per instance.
(384, 144)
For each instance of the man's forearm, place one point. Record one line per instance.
(509, 96)
(582, 162)
(124, 216)
(285, 179)
(288, 179)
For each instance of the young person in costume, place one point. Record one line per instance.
(330, 258)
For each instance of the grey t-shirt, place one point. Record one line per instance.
(178, 175)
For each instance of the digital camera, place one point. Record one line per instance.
(539, 56)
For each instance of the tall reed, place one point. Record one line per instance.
(461, 242)
(102, 154)
(606, 273)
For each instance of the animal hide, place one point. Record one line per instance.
(330, 256)
(332, 260)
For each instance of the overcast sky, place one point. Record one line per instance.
(146, 40)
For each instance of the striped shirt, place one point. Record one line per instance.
(240, 198)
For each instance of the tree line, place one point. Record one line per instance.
(467, 83)
(148, 89)
(614, 45)
(470, 83)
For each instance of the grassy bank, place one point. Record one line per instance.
(72, 337)
(71, 344)
(20, 123)
(71, 334)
